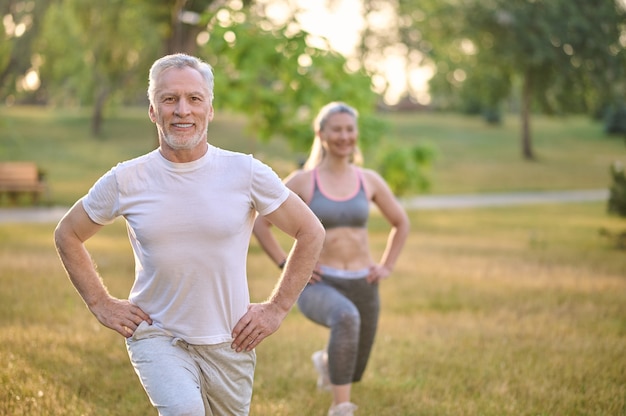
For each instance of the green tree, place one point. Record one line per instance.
(20, 24)
(272, 75)
(6, 48)
(94, 53)
(269, 72)
(556, 55)
(178, 22)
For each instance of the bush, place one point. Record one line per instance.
(492, 116)
(615, 119)
(406, 169)
(617, 191)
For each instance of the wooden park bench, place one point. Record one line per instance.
(17, 178)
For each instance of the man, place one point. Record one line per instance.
(189, 207)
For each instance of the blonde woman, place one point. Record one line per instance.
(342, 293)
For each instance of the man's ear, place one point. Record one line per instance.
(152, 114)
(211, 113)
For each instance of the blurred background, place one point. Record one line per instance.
(278, 61)
(472, 56)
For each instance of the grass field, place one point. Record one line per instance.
(491, 311)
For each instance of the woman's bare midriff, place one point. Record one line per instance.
(346, 248)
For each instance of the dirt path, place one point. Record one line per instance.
(504, 199)
(425, 202)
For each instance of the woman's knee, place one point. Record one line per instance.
(347, 318)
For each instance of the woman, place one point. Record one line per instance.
(343, 291)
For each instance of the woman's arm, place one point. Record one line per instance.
(393, 212)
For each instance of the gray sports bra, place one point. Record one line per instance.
(351, 211)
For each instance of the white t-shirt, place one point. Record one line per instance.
(189, 225)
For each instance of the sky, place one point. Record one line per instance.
(340, 21)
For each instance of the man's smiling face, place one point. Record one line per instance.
(182, 109)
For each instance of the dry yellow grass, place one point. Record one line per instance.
(507, 311)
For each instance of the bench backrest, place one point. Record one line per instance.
(18, 173)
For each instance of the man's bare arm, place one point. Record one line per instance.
(261, 320)
(69, 237)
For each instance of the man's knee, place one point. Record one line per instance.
(182, 406)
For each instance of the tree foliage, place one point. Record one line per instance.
(20, 23)
(93, 53)
(557, 56)
(274, 75)
(278, 80)
(98, 55)
(6, 47)
(407, 169)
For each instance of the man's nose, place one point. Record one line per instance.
(182, 108)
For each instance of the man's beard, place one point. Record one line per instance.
(182, 144)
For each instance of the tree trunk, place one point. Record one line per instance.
(182, 37)
(98, 112)
(527, 148)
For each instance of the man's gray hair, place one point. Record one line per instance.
(179, 60)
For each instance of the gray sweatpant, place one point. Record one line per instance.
(191, 380)
(350, 308)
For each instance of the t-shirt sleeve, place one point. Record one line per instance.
(268, 191)
(102, 201)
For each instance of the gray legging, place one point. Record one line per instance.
(349, 307)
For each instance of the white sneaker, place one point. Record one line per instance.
(342, 409)
(321, 366)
